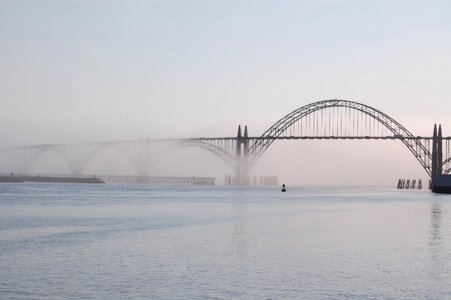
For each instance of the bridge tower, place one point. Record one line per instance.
(239, 141)
(437, 154)
(245, 158)
(242, 157)
(439, 151)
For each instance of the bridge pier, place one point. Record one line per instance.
(245, 158)
(440, 183)
(439, 151)
(139, 155)
(242, 157)
(437, 156)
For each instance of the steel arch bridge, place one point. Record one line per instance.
(415, 145)
(326, 120)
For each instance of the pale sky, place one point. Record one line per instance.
(102, 70)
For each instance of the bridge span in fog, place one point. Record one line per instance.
(323, 120)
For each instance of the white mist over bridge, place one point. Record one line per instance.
(322, 120)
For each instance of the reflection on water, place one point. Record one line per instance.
(437, 269)
(239, 233)
(141, 242)
(436, 214)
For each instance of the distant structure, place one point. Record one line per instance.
(440, 182)
(410, 184)
(322, 120)
(159, 180)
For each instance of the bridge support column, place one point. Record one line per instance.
(242, 154)
(437, 155)
(76, 157)
(141, 158)
(439, 151)
(434, 156)
(245, 158)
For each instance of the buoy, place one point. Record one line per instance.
(283, 188)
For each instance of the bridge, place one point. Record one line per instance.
(322, 120)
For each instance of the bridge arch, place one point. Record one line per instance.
(446, 162)
(75, 156)
(30, 156)
(220, 152)
(89, 155)
(415, 146)
(139, 156)
(138, 152)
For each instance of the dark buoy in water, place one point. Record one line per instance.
(283, 188)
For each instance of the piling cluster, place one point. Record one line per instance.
(252, 180)
(158, 180)
(410, 184)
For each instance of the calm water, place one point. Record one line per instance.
(69, 241)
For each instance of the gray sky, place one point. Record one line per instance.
(102, 70)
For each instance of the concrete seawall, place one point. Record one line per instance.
(26, 178)
(10, 179)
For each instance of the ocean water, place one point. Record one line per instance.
(72, 241)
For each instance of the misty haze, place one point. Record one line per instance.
(73, 72)
(227, 149)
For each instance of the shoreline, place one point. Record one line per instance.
(54, 179)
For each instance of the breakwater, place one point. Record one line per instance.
(7, 178)
(54, 179)
(158, 180)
